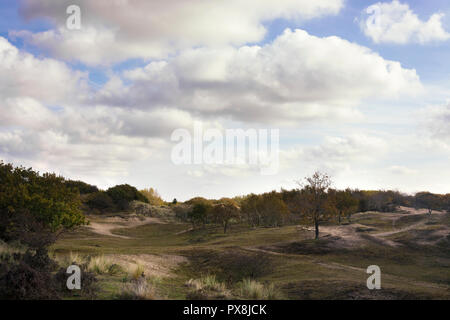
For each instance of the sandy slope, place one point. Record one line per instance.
(106, 225)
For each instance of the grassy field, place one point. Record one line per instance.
(412, 251)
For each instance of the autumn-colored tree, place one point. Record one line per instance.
(267, 209)
(250, 208)
(225, 211)
(152, 196)
(346, 204)
(273, 209)
(313, 198)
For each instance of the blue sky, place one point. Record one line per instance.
(374, 112)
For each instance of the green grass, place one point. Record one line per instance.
(302, 268)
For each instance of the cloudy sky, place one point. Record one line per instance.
(356, 88)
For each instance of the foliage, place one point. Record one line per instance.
(225, 211)
(123, 194)
(46, 197)
(268, 209)
(82, 187)
(429, 201)
(345, 203)
(152, 196)
(200, 211)
(314, 199)
(100, 201)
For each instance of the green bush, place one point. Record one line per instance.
(46, 197)
(100, 201)
(123, 194)
(82, 187)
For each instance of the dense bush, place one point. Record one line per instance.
(82, 187)
(100, 201)
(123, 194)
(22, 282)
(46, 197)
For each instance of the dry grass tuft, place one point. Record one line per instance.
(252, 289)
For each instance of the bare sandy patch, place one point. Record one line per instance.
(104, 226)
(154, 265)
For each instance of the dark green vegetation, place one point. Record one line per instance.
(256, 246)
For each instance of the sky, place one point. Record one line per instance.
(357, 89)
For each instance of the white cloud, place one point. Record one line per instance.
(297, 77)
(395, 22)
(113, 31)
(46, 80)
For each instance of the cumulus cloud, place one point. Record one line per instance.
(48, 118)
(113, 31)
(297, 77)
(395, 22)
(46, 80)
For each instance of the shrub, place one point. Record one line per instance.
(45, 198)
(100, 201)
(22, 282)
(123, 194)
(82, 187)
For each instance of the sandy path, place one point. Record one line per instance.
(109, 224)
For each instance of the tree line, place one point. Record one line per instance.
(313, 202)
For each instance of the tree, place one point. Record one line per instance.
(267, 209)
(200, 211)
(346, 204)
(428, 201)
(224, 211)
(46, 198)
(273, 209)
(250, 207)
(152, 196)
(314, 199)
